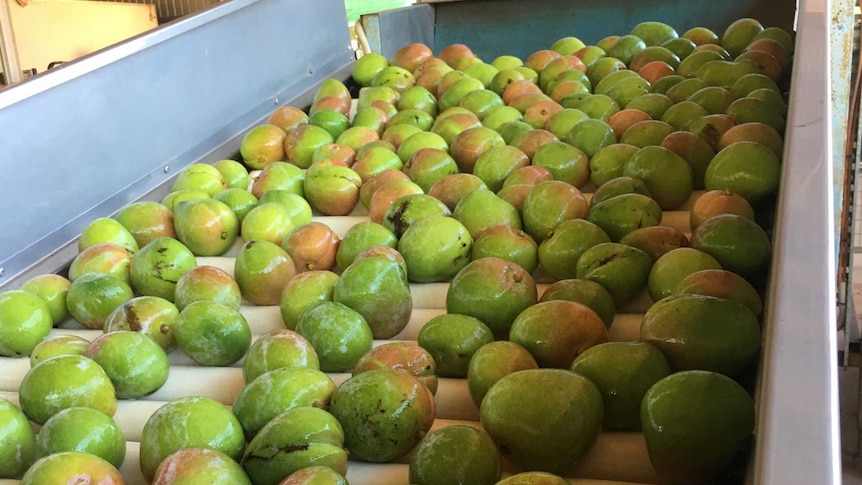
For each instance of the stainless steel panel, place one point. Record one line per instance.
(390, 30)
(797, 433)
(85, 139)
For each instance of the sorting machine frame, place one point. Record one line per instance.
(94, 135)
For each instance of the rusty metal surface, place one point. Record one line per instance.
(841, 45)
(168, 10)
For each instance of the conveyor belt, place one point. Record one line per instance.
(617, 458)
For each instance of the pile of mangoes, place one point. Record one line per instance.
(579, 241)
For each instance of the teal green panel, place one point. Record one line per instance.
(518, 27)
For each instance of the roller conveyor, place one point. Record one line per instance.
(797, 397)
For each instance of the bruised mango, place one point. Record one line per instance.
(625, 213)
(293, 440)
(622, 270)
(408, 209)
(559, 253)
(655, 240)
(384, 413)
(619, 186)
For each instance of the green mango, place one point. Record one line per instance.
(189, 422)
(435, 249)
(695, 443)
(19, 449)
(623, 372)
(726, 73)
(667, 175)
(698, 332)
(278, 391)
(439, 458)
(377, 289)
(200, 466)
(551, 434)
(71, 466)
